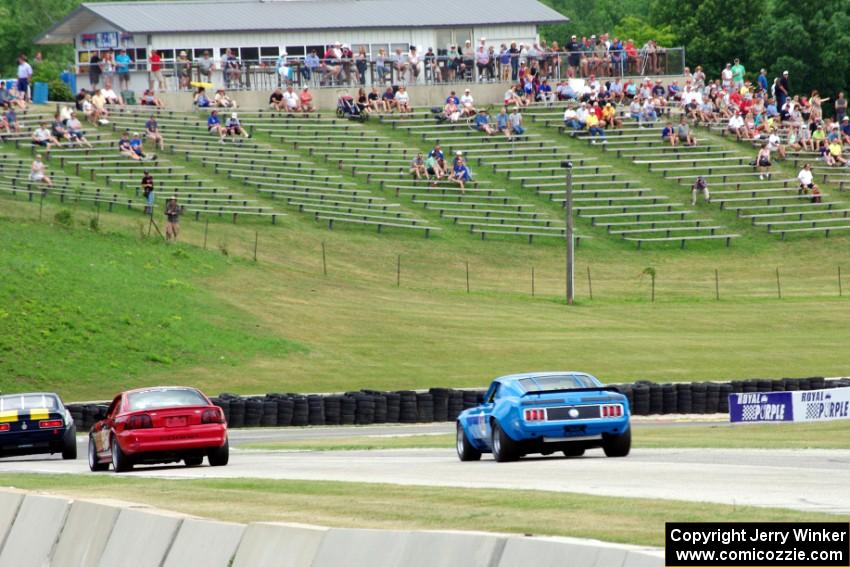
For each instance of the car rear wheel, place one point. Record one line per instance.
(193, 461)
(505, 449)
(617, 445)
(574, 452)
(120, 461)
(219, 456)
(69, 446)
(94, 464)
(465, 450)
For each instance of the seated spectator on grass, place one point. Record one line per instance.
(668, 134)
(306, 100)
(635, 109)
(153, 133)
(57, 128)
(700, 186)
(460, 172)
(148, 192)
(138, 148)
(402, 100)
(291, 100)
(111, 97)
(609, 116)
(276, 100)
(806, 179)
(200, 99)
(564, 91)
(515, 121)
(571, 119)
(835, 151)
(544, 92)
(594, 128)
(10, 117)
(648, 113)
(683, 132)
(453, 98)
(43, 138)
(502, 125)
(816, 195)
(511, 97)
(214, 126)
(234, 127)
(845, 130)
(223, 101)
(417, 167)
(125, 149)
(451, 112)
(38, 172)
(434, 169)
(388, 100)
(150, 99)
(362, 101)
(467, 104)
(374, 98)
(75, 130)
(99, 103)
(482, 122)
(774, 144)
(737, 126)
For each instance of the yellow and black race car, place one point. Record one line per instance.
(36, 423)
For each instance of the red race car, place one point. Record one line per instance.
(159, 425)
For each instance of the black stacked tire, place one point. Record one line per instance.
(269, 418)
(750, 386)
(333, 410)
(381, 407)
(393, 406)
(737, 386)
(764, 385)
(817, 383)
(712, 397)
(699, 393)
(656, 399)
(668, 399)
(365, 409)
(253, 412)
(684, 398)
(455, 404)
(425, 407)
(285, 409)
(778, 385)
(348, 410)
(723, 400)
(300, 411)
(470, 399)
(408, 411)
(237, 412)
(641, 405)
(792, 384)
(315, 410)
(441, 403)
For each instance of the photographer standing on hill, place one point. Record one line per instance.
(172, 215)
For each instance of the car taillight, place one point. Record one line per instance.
(535, 415)
(212, 416)
(5, 427)
(142, 421)
(615, 410)
(47, 423)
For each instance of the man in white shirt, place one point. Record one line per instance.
(43, 138)
(774, 144)
(467, 107)
(726, 77)
(806, 179)
(736, 126)
(571, 119)
(24, 76)
(111, 97)
(290, 98)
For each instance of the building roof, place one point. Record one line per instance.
(297, 15)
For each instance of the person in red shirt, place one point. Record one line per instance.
(155, 75)
(307, 100)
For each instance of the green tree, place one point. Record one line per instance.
(639, 30)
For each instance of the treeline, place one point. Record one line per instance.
(809, 39)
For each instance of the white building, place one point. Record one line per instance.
(258, 30)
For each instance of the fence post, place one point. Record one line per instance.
(398, 272)
(778, 284)
(467, 277)
(716, 284)
(324, 261)
(532, 281)
(840, 291)
(589, 283)
(256, 241)
(206, 229)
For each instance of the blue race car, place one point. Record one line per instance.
(36, 423)
(544, 412)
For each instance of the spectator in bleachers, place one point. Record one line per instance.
(482, 62)
(221, 100)
(122, 69)
(38, 172)
(172, 216)
(737, 126)
(206, 66)
(451, 112)
(402, 100)
(502, 125)
(835, 152)
(571, 119)
(43, 138)
(700, 186)
(148, 192)
(434, 169)
(845, 129)
(312, 66)
(232, 69)
(774, 144)
(782, 89)
(482, 122)
(291, 100)
(512, 98)
(544, 93)
(417, 167)
(806, 179)
(95, 70)
(153, 133)
(840, 107)
(24, 76)
(609, 116)
(283, 69)
(460, 172)
(331, 63)
(155, 78)
(467, 104)
(75, 130)
(413, 64)
(595, 128)
(276, 99)
(374, 100)
(648, 113)
(515, 120)
(200, 99)
(306, 100)
(362, 101)
(148, 98)
(388, 100)
(214, 126)
(125, 149)
(183, 66)
(361, 64)
(433, 64)
(58, 130)
(381, 66)
(137, 145)
(234, 127)
(111, 97)
(11, 119)
(683, 133)
(763, 162)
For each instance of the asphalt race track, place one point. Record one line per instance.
(809, 480)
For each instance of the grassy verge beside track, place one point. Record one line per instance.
(624, 520)
(834, 435)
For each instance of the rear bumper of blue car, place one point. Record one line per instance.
(32, 442)
(567, 431)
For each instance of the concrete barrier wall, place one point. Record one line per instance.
(42, 531)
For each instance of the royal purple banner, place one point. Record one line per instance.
(761, 407)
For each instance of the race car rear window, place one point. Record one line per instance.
(153, 399)
(28, 401)
(564, 382)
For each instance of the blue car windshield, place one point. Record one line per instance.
(560, 382)
(28, 401)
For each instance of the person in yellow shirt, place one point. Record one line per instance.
(609, 115)
(594, 128)
(835, 150)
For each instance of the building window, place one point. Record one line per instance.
(198, 52)
(250, 54)
(295, 51)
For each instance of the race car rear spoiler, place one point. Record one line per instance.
(572, 390)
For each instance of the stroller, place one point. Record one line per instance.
(347, 108)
